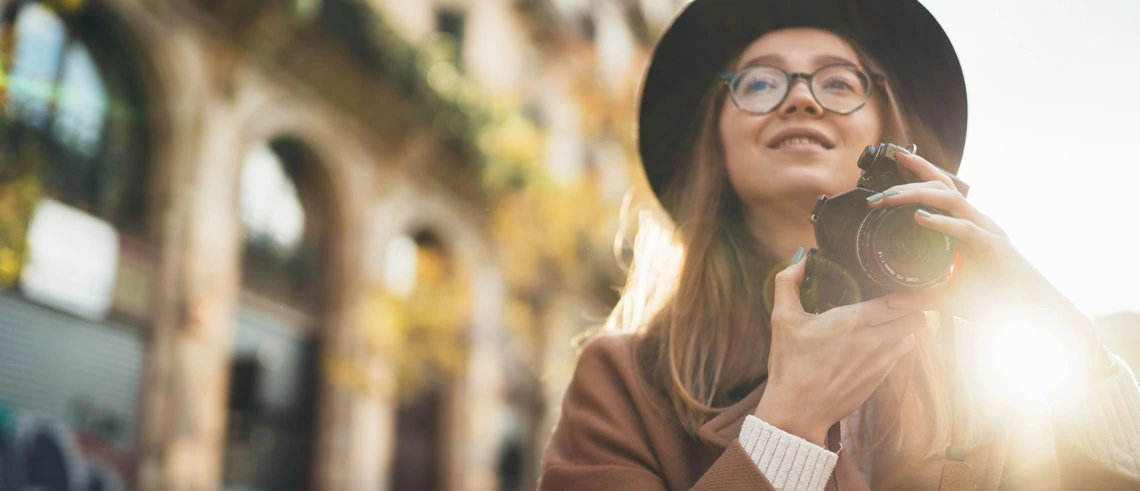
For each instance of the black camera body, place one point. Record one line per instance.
(866, 253)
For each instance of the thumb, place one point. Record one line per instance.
(787, 290)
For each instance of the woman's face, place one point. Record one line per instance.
(762, 166)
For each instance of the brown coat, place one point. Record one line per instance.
(617, 432)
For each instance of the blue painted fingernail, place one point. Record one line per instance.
(892, 192)
(799, 254)
(874, 197)
(923, 213)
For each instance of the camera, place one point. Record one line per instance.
(866, 253)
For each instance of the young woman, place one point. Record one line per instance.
(752, 109)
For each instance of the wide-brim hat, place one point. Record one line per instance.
(901, 35)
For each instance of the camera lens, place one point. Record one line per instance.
(909, 248)
(894, 249)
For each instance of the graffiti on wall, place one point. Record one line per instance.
(44, 453)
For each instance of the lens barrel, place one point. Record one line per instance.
(896, 251)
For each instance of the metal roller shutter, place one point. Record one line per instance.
(49, 361)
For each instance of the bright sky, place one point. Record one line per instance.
(1054, 90)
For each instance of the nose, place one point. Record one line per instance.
(800, 99)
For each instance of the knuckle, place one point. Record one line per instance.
(950, 200)
(915, 326)
(998, 231)
(849, 323)
(974, 231)
(781, 317)
(785, 277)
(908, 342)
(880, 341)
(787, 284)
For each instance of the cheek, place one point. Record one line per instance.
(728, 130)
(858, 133)
(738, 135)
(868, 128)
(734, 139)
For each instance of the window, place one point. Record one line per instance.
(70, 90)
(282, 224)
(270, 209)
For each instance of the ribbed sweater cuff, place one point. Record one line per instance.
(788, 461)
(1103, 421)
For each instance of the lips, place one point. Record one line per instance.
(800, 137)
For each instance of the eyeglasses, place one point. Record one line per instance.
(840, 88)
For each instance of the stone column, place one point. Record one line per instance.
(197, 379)
(185, 381)
(484, 386)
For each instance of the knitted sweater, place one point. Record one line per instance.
(617, 431)
(1103, 422)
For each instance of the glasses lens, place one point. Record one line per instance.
(840, 88)
(759, 89)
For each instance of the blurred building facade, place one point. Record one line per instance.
(306, 244)
(309, 244)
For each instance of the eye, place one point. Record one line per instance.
(759, 86)
(840, 80)
(838, 84)
(760, 80)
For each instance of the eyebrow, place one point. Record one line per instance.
(779, 60)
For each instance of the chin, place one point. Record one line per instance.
(809, 182)
(796, 178)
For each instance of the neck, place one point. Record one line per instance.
(782, 226)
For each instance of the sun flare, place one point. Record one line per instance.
(1028, 361)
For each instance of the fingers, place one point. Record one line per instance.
(787, 289)
(923, 169)
(965, 231)
(932, 194)
(898, 336)
(902, 346)
(935, 195)
(901, 327)
(929, 299)
(936, 190)
(868, 313)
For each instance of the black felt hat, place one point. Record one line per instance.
(901, 35)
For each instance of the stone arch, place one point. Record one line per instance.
(339, 170)
(171, 92)
(336, 165)
(86, 98)
(411, 205)
(414, 204)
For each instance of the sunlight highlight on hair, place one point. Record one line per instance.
(654, 267)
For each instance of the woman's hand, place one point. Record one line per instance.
(994, 284)
(822, 367)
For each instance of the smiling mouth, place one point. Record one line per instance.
(799, 142)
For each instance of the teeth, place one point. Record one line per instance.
(800, 141)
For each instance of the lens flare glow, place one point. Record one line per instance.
(1031, 362)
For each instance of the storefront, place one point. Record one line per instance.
(74, 318)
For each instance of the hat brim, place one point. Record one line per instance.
(901, 35)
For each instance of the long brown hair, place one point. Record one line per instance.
(694, 284)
